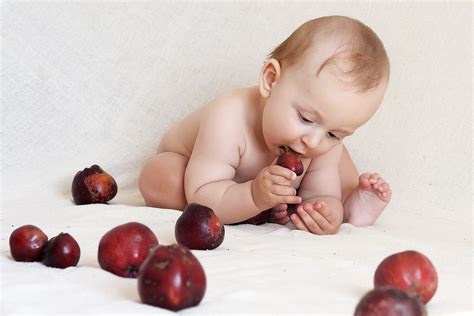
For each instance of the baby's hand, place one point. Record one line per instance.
(272, 186)
(316, 218)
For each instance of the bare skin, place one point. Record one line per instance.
(223, 154)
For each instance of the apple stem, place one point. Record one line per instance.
(132, 271)
(284, 149)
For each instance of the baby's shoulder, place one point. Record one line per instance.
(224, 125)
(231, 108)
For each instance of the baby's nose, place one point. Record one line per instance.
(312, 140)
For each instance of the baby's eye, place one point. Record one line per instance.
(304, 119)
(332, 135)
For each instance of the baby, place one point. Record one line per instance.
(316, 88)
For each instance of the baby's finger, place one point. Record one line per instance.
(298, 222)
(280, 180)
(282, 171)
(312, 220)
(293, 199)
(325, 212)
(282, 190)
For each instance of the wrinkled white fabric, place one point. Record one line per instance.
(100, 82)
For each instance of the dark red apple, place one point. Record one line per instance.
(172, 278)
(290, 160)
(259, 219)
(199, 228)
(409, 271)
(123, 249)
(27, 243)
(389, 301)
(93, 185)
(61, 251)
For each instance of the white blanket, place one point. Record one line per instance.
(100, 82)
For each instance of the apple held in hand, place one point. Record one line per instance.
(93, 185)
(27, 243)
(199, 228)
(61, 252)
(389, 301)
(123, 249)
(409, 271)
(172, 278)
(290, 160)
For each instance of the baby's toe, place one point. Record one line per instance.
(279, 215)
(387, 195)
(374, 177)
(280, 208)
(364, 181)
(379, 186)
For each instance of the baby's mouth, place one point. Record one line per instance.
(285, 149)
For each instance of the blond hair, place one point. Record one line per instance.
(360, 56)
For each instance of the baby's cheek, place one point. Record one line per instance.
(325, 146)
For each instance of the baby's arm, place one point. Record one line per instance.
(211, 170)
(321, 211)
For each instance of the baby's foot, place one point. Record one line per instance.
(367, 201)
(280, 214)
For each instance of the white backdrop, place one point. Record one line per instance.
(100, 82)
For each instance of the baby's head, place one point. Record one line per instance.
(349, 47)
(331, 74)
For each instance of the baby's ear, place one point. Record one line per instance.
(270, 74)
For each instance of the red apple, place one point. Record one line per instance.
(199, 228)
(93, 185)
(388, 301)
(409, 271)
(27, 243)
(61, 252)
(258, 219)
(123, 249)
(172, 278)
(290, 160)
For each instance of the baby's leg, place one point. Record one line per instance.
(349, 175)
(161, 181)
(364, 197)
